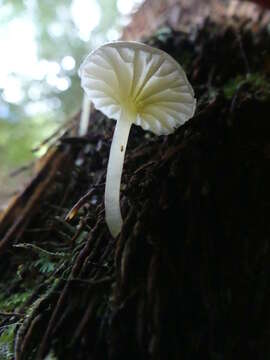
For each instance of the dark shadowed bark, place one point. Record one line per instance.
(189, 275)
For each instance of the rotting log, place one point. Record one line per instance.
(189, 275)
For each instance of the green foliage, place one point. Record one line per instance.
(46, 262)
(51, 356)
(44, 265)
(109, 17)
(13, 301)
(17, 139)
(21, 130)
(6, 342)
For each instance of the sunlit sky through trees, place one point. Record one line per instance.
(42, 46)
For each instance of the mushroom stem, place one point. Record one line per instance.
(84, 120)
(114, 172)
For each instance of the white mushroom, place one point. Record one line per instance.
(134, 83)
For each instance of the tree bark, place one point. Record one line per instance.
(189, 275)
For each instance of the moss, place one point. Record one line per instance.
(12, 302)
(256, 82)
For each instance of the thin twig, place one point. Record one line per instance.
(39, 250)
(8, 314)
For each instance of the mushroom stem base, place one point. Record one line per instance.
(114, 172)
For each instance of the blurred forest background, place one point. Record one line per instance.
(42, 46)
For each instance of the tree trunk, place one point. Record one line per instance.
(189, 275)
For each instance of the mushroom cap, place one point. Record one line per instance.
(146, 83)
